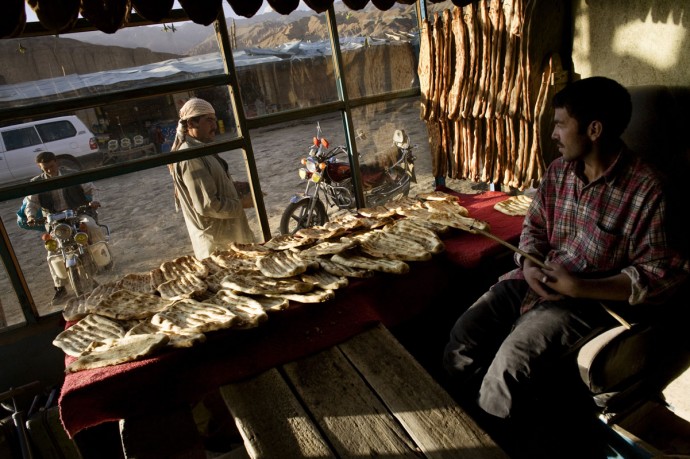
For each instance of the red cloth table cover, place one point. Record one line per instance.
(91, 397)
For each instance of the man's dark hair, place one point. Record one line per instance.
(597, 98)
(45, 157)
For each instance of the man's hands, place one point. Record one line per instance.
(551, 283)
(94, 204)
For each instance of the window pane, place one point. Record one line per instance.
(56, 130)
(290, 66)
(145, 231)
(20, 138)
(379, 59)
(56, 68)
(375, 125)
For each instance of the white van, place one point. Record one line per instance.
(66, 136)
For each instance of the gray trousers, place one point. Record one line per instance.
(510, 355)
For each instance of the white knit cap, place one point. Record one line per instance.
(196, 107)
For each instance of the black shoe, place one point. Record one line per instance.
(60, 295)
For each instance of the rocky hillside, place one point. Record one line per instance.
(49, 57)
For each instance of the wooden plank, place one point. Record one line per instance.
(432, 418)
(352, 418)
(271, 420)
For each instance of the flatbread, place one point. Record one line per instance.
(317, 295)
(99, 293)
(177, 340)
(282, 264)
(325, 280)
(249, 311)
(182, 266)
(185, 286)
(75, 339)
(128, 305)
(438, 196)
(232, 260)
(446, 206)
(137, 282)
(390, 245)
(116, 351)
(251, 249)
(321, 232)
(372, 264)
(191, 316)
(376, 212)
(75, 308)
(415, 231)
(287, 241)
(329, 247)
(405, 202)
(255, 283)
(339, 269)
(514, 205)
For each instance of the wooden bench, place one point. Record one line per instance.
(365, 397)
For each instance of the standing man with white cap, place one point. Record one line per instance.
(204, 189)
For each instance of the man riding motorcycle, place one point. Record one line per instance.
(57, 201)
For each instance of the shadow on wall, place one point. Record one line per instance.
(636, 42)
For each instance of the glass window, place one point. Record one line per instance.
(131, 105)
(379, 59)
(56, 130)
(21, 138)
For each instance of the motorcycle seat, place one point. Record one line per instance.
(372, 176)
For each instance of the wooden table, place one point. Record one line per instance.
(172, 380)
(366, 397)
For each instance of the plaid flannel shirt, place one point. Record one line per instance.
(611, 225)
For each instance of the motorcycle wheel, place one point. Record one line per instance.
(79, 279)
(295, 216)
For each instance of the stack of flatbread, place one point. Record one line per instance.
(178, 302)
(514, 205)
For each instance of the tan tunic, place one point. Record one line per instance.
(210, 204)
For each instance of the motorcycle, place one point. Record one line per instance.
(329, 179)
(74, 256)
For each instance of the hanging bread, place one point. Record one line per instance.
(56, 16)
(460, 67)
(284, 7)
(425, 68)
(202, 12)
(245, 8)
(446, 71)
(153, 10)
(108, 16)
(437, 52)
(484, 59)
(13, 20)
(468, 91)
(497, 22)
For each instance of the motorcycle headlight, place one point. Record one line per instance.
(51, 245)
(315, 177)
(62, 231)
(303, 174)
(311, 166)
(81, 238)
